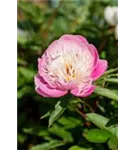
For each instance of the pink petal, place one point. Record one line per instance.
(40, 92)
(77, 38)
(91, 48)
(83, 93)
(52, 48)
(82, 39)
(94, 53)
(67, 43)
(99, 69)
(41, 63)
(65, 86)
(41, 72)
(67, 37)
(43, 89)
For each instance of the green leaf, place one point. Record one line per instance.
(48, 146)
(38, 131)
(58, 111)
(21, 61)
(67, 122)
(111, 71)
(103, 55)
(98, 120)
(97, 135)
(35, 47)
(113, 143)
(61, 132)
(101, 122)
(106, 92)
(113, 130)
(26, 73)
(24, 91)
(113, 80)
(21, 138)
(45, 115)
(76, 147)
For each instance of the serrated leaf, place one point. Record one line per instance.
(113, 143)
(106, 93)
(48, 146)
(58, 111)
(97, 135)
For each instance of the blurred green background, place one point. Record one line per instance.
(39, 23)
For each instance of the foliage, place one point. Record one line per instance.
(66, 123)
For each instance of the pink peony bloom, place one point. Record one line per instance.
(69, 64)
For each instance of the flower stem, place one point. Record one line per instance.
(81, 113)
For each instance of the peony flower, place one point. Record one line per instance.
(69, 64)
(111, 15)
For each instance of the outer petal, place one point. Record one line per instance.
(52, 48)
(43, 89)
(41, 63)
(85, 93)
(99, 69)
(91, 48)
(77, 38)
(94, 53)
(41, 72)
(67, 37)
(40, 92)
(65, 86)
(82, 39)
